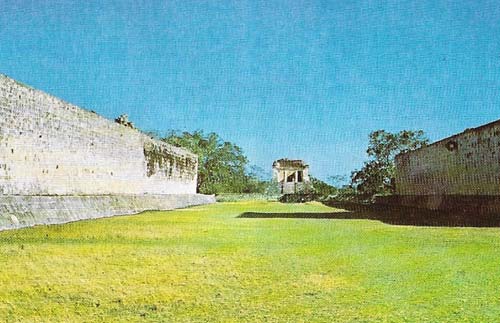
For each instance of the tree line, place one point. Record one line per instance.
(224, 168)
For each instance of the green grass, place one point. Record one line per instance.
(205, 265)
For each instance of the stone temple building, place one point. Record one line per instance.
(292, 176)
(460, 173)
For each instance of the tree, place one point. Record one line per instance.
(377, 174)
(257, 180)
(338, 181)
(321, 188)
(221, 164)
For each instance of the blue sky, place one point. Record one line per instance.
(297, 79)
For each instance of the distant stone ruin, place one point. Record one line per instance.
(60, 163)
(292, 176)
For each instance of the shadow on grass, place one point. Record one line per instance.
(391, 215)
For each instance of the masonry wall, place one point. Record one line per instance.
(467, 164)
(51, 147)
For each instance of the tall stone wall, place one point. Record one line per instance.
(466, 164)
(51, 147)
(60, 163)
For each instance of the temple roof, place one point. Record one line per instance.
(284, 162)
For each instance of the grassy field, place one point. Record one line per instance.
(206, 265)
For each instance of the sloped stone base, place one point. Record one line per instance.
(17, 211)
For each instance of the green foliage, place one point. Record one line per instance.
(322, 188)
(299, 197)
(346, 194)
(338, 181)
(221, 164)
(377, 174)
(273, 188)
(320, 191)
(384, 146)
(342, 190)
(255, 181)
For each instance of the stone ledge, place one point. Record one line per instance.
(18, 211)
(467, 204)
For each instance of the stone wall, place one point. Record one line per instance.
(466, 164)
(60, 163)
(51, 147)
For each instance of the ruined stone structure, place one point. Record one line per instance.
(49, 147)
(461, 172)
(292, 176)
